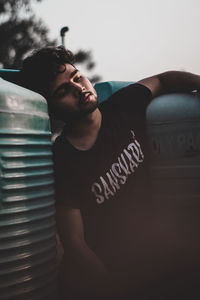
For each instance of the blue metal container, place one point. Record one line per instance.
(27, 214)
(173, 126)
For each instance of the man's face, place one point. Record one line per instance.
(72, 96)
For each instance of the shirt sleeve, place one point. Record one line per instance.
(132, 99)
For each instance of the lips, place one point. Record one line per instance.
(85, 97)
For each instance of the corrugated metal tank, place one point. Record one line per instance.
(27, 214)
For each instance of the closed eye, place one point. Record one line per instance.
(78, 77)
(63, 90)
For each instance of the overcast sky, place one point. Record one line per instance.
(129, 39)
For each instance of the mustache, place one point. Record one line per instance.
(85, 94)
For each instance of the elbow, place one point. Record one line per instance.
(71, 244)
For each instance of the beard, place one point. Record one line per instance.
(72, 115)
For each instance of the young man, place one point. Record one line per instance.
(114, 244)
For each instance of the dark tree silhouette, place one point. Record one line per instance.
(20, 32)
(85, 58)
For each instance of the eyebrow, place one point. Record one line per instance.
(64, 84)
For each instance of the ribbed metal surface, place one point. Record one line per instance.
(27, 214)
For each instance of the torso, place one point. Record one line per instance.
(138, 241)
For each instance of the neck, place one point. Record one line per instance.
(83, 133)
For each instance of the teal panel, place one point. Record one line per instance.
(106, 89)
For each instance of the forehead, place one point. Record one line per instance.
(66, 73)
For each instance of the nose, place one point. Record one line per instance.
(78, 87)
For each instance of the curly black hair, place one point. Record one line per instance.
(42, 66)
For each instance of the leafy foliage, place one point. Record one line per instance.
(20, 32)
(85, 58)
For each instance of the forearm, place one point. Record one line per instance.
(171, 82)
(83, 271)
(177, 81)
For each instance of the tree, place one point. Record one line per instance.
(85, 58)
(20, 32)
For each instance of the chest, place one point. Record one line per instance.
(117, 159)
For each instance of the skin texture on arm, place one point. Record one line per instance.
(82, 272)
(172, 82)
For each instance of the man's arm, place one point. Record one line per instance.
(172, 82)
(82, 271)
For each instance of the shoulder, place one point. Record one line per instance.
(57, 145)
(130, 90)
(135, 89)
(61, 152)
(61, 144)
(132, 96)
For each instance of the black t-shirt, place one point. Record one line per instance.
(109, 182)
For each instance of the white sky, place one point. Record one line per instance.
(129, 39)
